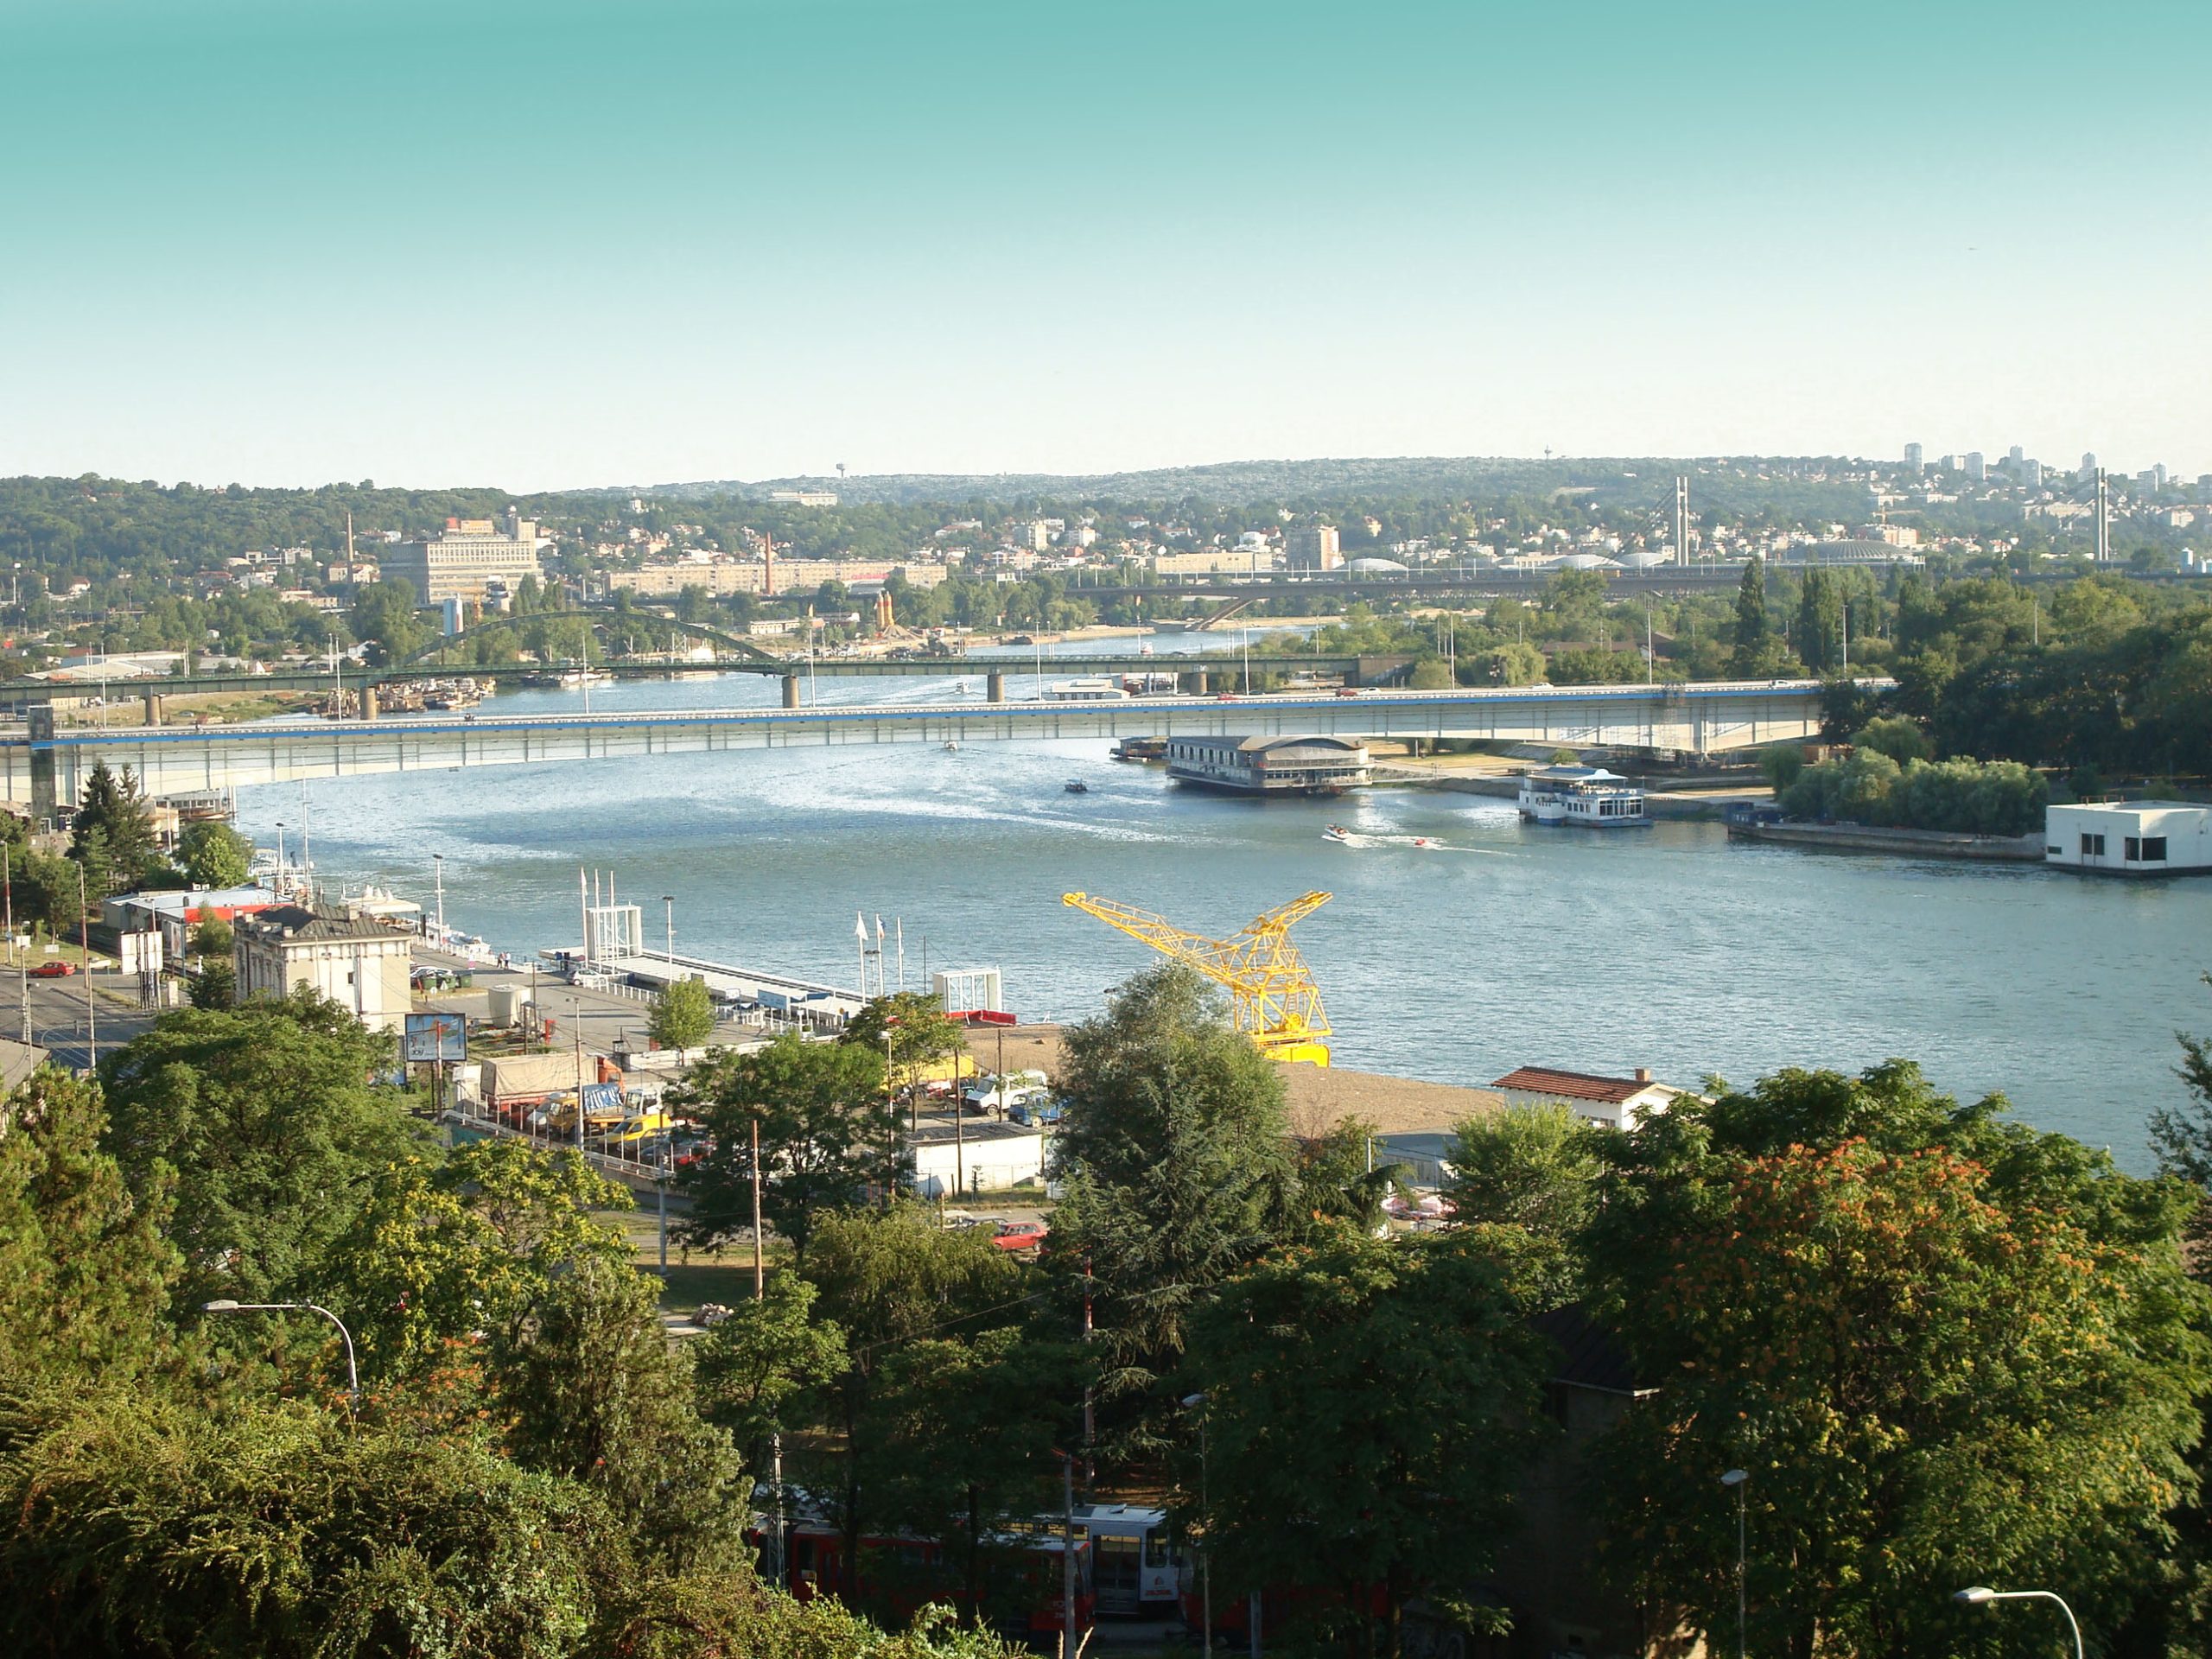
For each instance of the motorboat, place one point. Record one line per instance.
(1077, 786)
(952, 748)
(1424, 844)
(1336, 832)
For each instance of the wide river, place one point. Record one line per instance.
(1667, 947)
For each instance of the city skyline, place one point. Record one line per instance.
(573, 246)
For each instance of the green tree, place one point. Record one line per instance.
(684, 1014)
(85, 1269)
(1368, 1408)
(755, 1365)
(1174, 1154)
(828, 1135)
(214, 986)
(112, 836)
(921, 1037)
(1783, 764)
(265, 1119)
(1748, 657)
(213, 937)
(1947, 1350)
(1896, 735)
(384, 618)
(1527, 1178)
(594, 1391)
(213, 855)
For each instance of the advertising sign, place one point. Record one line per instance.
(432, 1037)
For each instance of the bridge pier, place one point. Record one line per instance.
(1201, 683)
(995, 686)
(153, 707)
(368, 702)
(38, 729)
(790, 690)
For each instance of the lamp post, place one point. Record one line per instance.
(1192, 1402)
(669, 900)
(353, 1374)
(1978, 1597)
(1739, 1479)
(438, 874)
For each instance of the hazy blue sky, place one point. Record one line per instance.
(534, 243)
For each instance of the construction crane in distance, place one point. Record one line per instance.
(1277, 1004)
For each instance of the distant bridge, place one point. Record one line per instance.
(45, 765)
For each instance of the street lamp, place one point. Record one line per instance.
(1739, 1479)
(352, 1373)
(669, 898)
(1190, 1402)
(1978, 1597)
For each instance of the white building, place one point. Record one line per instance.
(2130, 838)
(1617, 1102)
(358, 965)
(465, 557)
(980, 1157)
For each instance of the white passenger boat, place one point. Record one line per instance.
(1582, 795)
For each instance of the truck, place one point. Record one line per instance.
(515, 1082)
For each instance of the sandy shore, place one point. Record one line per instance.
(1319, 1096)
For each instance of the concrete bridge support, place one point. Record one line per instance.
(790, 690)
(995, 686)
(153, 707)
(368, 702)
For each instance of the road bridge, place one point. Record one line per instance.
(43, 765)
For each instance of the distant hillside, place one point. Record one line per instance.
(1241, 482)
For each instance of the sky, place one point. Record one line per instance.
(545, 243)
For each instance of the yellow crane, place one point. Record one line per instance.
(1277, 1003)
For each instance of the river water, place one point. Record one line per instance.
(1667, 947)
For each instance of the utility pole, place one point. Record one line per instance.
(84, 945)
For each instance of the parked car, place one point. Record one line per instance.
(1038, 1108)
(54, 970)
(1020, 1235)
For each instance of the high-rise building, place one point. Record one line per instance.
(1977, 467)
(2088, 461)
(2031, 473)
(2013, 457)
(2158, 476)
(1312, 547)
(465, 557)
(1912, 459)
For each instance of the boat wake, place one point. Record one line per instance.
(1345, 838)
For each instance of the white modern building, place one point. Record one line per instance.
(2130, 838)
(359, 964)
(467, 557)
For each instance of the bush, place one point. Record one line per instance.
(1897, 736)
(1995, 798)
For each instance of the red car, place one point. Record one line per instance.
(1020, 1235)
(55, 969)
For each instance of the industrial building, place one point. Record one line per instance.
(1270, 765)
(2130, 838)
(969, 1158)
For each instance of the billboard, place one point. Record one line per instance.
(432, 1037)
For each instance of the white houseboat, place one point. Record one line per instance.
(1586, 795)
(1091, 689)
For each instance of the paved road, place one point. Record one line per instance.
(55, 1010)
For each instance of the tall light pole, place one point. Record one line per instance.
(669, 900)
(1193, 1401)
(438, 870)
(1739, 1479)
(84, 949)
(352, 1373)
(1978, 1597)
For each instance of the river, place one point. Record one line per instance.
(1668, 947)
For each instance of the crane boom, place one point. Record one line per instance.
(1277, 1004)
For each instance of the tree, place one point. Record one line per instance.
(1749, 654)
(215, 986)
(1946, 1347)
(1527, 1178)
(85, 1269)
(752, 1365)
(384, 618)
(1174, 1155)
(214, 855)
(684, 1014)
(1368, 1406)
(1820, 622)
(828, 1134)
(922, 1037)
(112, 836)
(265, 1119)
(1897, 736)
(595, 1392)
(213, 937)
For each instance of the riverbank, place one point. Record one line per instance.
(1913, 843)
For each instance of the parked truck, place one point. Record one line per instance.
(515, 1082)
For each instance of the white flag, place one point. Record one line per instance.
(860, 927)
(879, 932)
